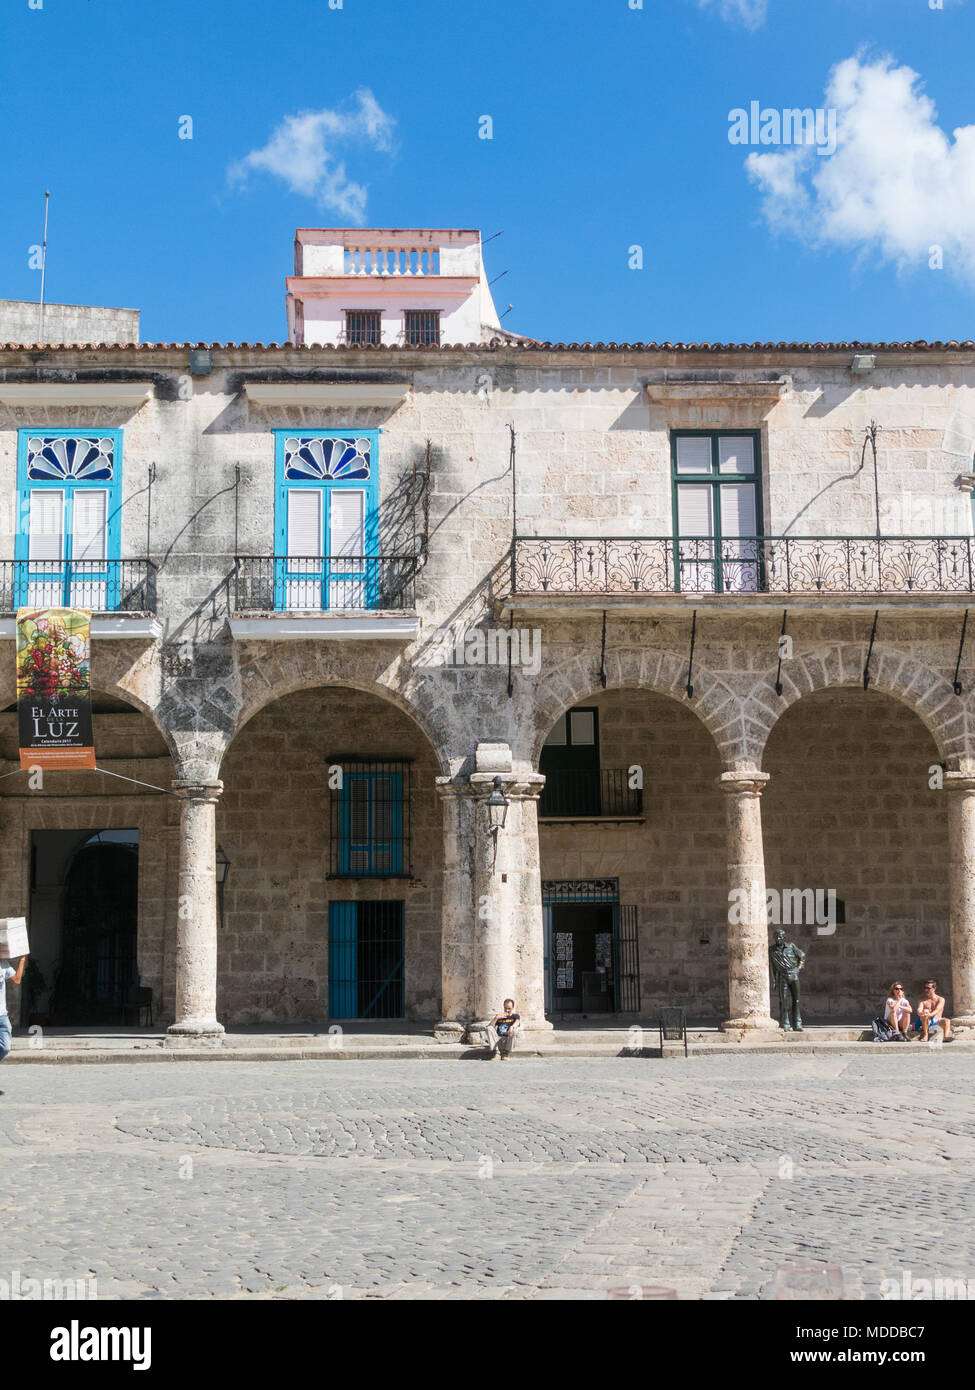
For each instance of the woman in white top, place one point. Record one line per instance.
(897, 1011)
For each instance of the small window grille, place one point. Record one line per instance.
(422, 327)
(363, 327)
(370, 819)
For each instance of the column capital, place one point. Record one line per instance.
(195, 790)
(516, 786)
(744, 781)
(959, 782)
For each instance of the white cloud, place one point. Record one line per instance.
(896, 186)
(304, 152)
(751, 13)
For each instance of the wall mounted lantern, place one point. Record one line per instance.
(497, 805)
(221, 870)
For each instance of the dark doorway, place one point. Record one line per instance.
(365, 959)
(583, 957)
(84, 927)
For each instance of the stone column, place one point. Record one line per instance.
(196, 931)
(492, 933)
(961, 895)
(457, 911)
(748, 943)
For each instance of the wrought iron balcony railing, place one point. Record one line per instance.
(589, 793)
(291, 583)
(104, 586)
(622, 565)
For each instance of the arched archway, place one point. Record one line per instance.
(661, 673)
(849, 808)
(646, 863)
(331, 829)
(75, 910)
(924, 691)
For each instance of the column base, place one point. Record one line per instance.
(449, 1031)
(751, 1022)
(963, 1021)
(204, 1030)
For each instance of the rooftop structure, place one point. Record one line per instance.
(389, 286)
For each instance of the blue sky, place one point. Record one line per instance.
(610, 130)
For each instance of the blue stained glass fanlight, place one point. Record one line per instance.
(313, 458)
(70, 458)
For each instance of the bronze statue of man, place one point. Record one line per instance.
(786, 961)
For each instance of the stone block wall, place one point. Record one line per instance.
(848, 806)
(273, 823)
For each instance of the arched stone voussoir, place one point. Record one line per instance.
(420, 695)
(947, 716)
(577, 680)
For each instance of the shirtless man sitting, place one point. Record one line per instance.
(931, 1011)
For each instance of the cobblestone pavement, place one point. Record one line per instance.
(532, 1179)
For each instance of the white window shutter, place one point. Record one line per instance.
(738, 520)
(46, 537)
(556, 737)
(737, 509)
(694, 518)
(304, 522)
(582, 725)
(347, 518)
(694, 510)
(693, 453)
(736, 455)
(88, 539)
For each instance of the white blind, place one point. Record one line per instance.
(736, 455)
(304, 522)
(583, 727)
(738, 509)
(693, 454)
(346, 516)
(556, 736)
(46, 537)
(694, 510)
(88, 530)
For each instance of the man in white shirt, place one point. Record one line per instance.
(7, 972)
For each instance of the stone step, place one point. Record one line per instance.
(401, 1052)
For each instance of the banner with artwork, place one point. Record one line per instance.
(54, 688)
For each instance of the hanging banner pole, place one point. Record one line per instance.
(54, 688)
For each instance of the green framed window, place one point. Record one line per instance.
(717, 510)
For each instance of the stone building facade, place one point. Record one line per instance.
(326, 712)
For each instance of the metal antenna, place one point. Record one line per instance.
(40, 316)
